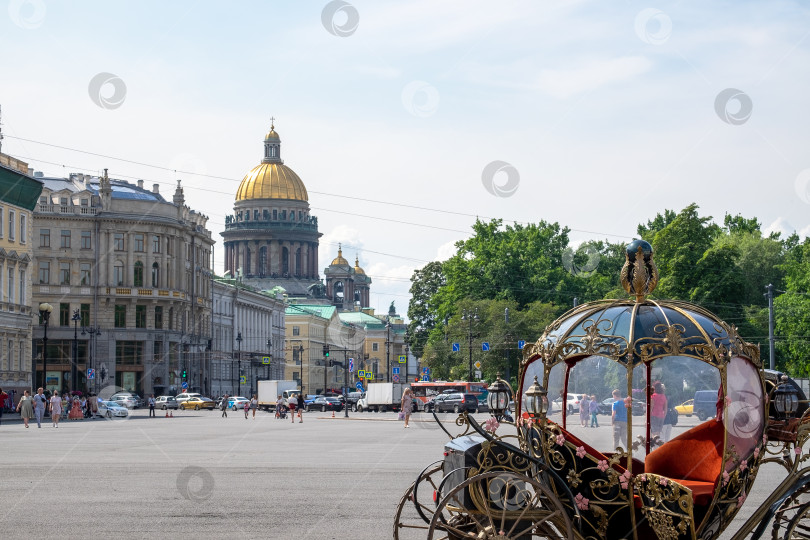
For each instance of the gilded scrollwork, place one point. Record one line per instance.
(667, 505)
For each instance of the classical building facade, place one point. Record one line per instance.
(128, 274)
(347, 287)
(18, 197)
(258, 318)
(271, 239)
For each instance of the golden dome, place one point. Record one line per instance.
(272, 135)
(357, 269)
(339, 260)
(272, 181)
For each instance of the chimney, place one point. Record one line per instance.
(140, 184)
(155, 188)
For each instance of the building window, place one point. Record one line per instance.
(138, 242)
(21, 352)
(129, 353)
(84, 313)
(275, 213)
(63, 201)
(23, 229)
(118, 241)
(155, 275)
(375, 347)
(22, 287)
(158, 317)
(10, 351)
(120, 316)
(84, 272)
(140, 316)
(171, 318)
(157, 351)
(86, 240)
(118, 274)
(44, 238)
(11, 218)
(64, 273)
(11, 285)
(138, 275)
(155, 244)
(64, 314)
(64, 240)
(44, 273)
(1, 222)
(296, 330)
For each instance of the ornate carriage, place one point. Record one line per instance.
(640, 477)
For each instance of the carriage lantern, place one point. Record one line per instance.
(785, 399)
(535, 400)
(498, 398)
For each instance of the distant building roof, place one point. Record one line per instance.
(121, 189)
(361, 319)
(323, 311)
(19, 189)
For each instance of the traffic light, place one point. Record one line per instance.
(184, 373)
(326, 351)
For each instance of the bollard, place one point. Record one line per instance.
(167, 414)
(171, 414)
(333, 413)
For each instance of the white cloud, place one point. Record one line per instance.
(348, 237)
(782, 226)
(805, 233)
(561, 83)
(445, 251)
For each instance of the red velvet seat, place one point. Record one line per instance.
(693, 459)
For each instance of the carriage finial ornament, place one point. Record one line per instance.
(639, 275)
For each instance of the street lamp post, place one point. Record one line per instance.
(74, 365)
(93, 331)
(239, 361)
(388, 350)
(45, 310)
(470, 316)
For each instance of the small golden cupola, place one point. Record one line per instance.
(357, 269)
(339, 260)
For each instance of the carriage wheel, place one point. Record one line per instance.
(416, 507)
(500, 505)
(792, 521)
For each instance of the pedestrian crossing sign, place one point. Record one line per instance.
(265, 360)
(403, 359)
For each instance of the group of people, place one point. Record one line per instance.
(588, 411)
(34, 407)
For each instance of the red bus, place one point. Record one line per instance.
(424, 390)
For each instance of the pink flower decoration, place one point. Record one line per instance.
(798, 450)
(491, 425)
(741, 499)
(743, 465)
(625, 479)
(764, 439)
(728, 401)
(663, 481)
(560, 439)
(602, 465)
(628, 402)
(756, 452)
(643, 477)
(725, 478)
(581, 502)
(581, 452)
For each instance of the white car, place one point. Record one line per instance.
(109, 409)
(237, 403)
(185, 396)
(572, 403)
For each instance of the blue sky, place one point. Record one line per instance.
(605, 111)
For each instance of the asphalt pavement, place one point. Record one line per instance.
(203, 475)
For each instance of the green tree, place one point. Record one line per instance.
(739, 224)
(792, 311)
(425, 283)
(647, 232)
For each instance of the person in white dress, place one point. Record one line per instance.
(56, 409)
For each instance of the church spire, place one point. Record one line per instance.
(272, 145)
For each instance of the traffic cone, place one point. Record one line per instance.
(167, 414)
(171, 414)
(333, 413)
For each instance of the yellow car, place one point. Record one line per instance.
(686, 407)
(197, 403)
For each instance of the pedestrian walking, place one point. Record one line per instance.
(254, 404)
(584, 410)
(56, 409)
(224, 406)
(593, 407)
(3, 398)
(151, 405)
(92, 406)
(26, 407)
(301, 408)
(75, 409)
(292, 403)
(406, 406)
(671, 419)
(619, 420)
(39, 406)
(658, 412)
(247, 409)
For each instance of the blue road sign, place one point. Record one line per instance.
(359, 386)
(91, 373)
(185, 386)
(351, 365)
(395, 371)
(265, 360)
(425, 378)
(242, 379)
(403, 359)
(485, 346)
(521, 343)
(456, 347)
(426, 370)
(395, 377)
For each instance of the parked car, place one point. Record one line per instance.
(572, 403)
(606, 407)
(126, 401)
(686, 408)
(134, 397)
(166, 402)
(324, 403)
(185, 395)
(705, 404)
(457, 403)
(110, 409)
(237, 402)
(352, 398)
(430, 405)
(197, 403)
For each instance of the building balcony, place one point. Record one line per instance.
(118, 292)
(70, 210)
(310, 225)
